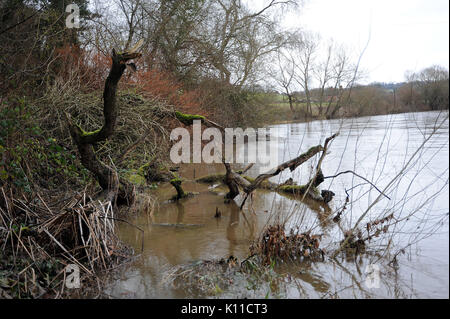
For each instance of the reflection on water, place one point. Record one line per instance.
(377, 148)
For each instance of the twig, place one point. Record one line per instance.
(349, 171)
(65, 250)
(127, 222)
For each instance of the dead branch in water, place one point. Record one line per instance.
(234, 180)
(292, 165)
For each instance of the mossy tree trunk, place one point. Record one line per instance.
(230, 181)
(176, 182)
(107, 178)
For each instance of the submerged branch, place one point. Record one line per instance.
(291, 164)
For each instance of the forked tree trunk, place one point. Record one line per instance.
(109, 181)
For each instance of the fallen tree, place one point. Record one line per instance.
(235, 180)
(288, 187)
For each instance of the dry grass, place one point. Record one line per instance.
(275, 244)
(142, 128)
(39, 238)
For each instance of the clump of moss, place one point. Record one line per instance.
(207, 277)
(86, 133)
(135, 177)
(313, 192)
(293, 189)
(209, 179)
(156, 171)
(187, 119)
(264, 185)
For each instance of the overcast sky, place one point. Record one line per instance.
(404, 34)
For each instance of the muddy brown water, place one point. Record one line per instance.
(377, 148)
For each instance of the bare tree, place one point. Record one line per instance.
(324, 80)
(130, 9)
(323, 75)
(239, 37)
(225, 38)
(305, 62)
(433, 86)
(426, 89)
(284, 75)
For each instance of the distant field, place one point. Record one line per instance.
(277, 109)
(280, 112)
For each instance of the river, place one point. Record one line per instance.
(384, 149)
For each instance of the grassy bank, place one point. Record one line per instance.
(51, 209)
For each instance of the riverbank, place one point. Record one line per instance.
(52, 211)
(280, 113)
(40, 175)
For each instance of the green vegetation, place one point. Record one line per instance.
(265, 184)
(136, 177)
(293, 189)
(84, 133)
(210, 179)
(187, 119)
